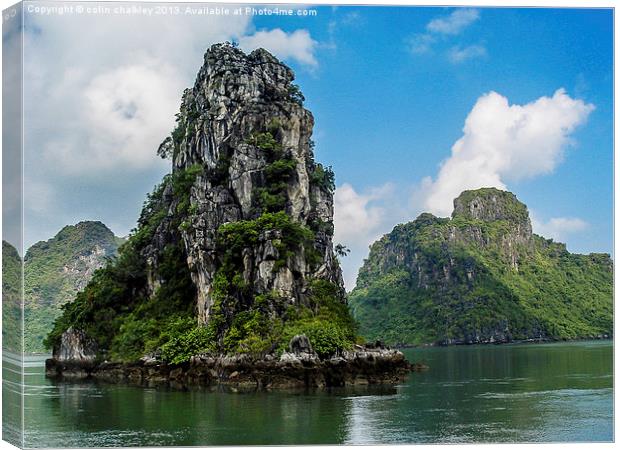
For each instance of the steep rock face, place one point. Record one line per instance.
(493, 205)
(490, 204)
(481, 276)
(57, 269)
(233, 251)
(241, 110)
(76, 346)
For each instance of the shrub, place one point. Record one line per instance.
(180, 348)
(327, 338)
(323, 177)
(178, 134)
(251, 332)
(295, 94)
(182, 182)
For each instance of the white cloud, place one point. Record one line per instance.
(361, 218)
(558, 228)
(503, 142)
(456, 22)
(459, 54)
(421, 43)
(83, 86)
(298, 45)
(355, 216)
(127, 112)
(442, 29)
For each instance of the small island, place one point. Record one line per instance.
(231, 276)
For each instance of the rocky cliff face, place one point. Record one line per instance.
(76, 346)
(233, 251)
(242, 125)
(57, 269)
(492, 205)
(481, 276)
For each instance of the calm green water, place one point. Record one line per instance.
(511, 393)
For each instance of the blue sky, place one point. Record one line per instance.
(386, 114)
(390, 88)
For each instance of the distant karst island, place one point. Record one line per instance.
(480, 276)
(54, 271)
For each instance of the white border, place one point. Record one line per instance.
(479, 3)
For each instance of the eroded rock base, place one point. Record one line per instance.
(360, 367)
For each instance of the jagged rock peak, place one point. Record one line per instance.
(491, 204)
(233, 252)
(221, 58)
(230, 85)
(243, 129)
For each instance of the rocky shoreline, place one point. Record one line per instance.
(360, 366)
(542, 340)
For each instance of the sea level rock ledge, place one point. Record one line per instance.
(299, 367)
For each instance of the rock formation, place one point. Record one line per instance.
(480, 277)
(76, 346)
(57, 269)
(233, 257)
(244, 126)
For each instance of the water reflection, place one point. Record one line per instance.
(517, 393)
(559, 392)
(11, 403)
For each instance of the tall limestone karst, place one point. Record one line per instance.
(57, 269)
(233, 251)
(481, 276)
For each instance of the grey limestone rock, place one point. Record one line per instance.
(76, 346)
(237, 96)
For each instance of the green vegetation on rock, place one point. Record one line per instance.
(11, 298)
(56, 269)
(115, 308)
(272, 196)
(481, 276)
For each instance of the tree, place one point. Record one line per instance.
(341, 250)
(166, 148)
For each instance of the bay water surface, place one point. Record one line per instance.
(553, 392)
